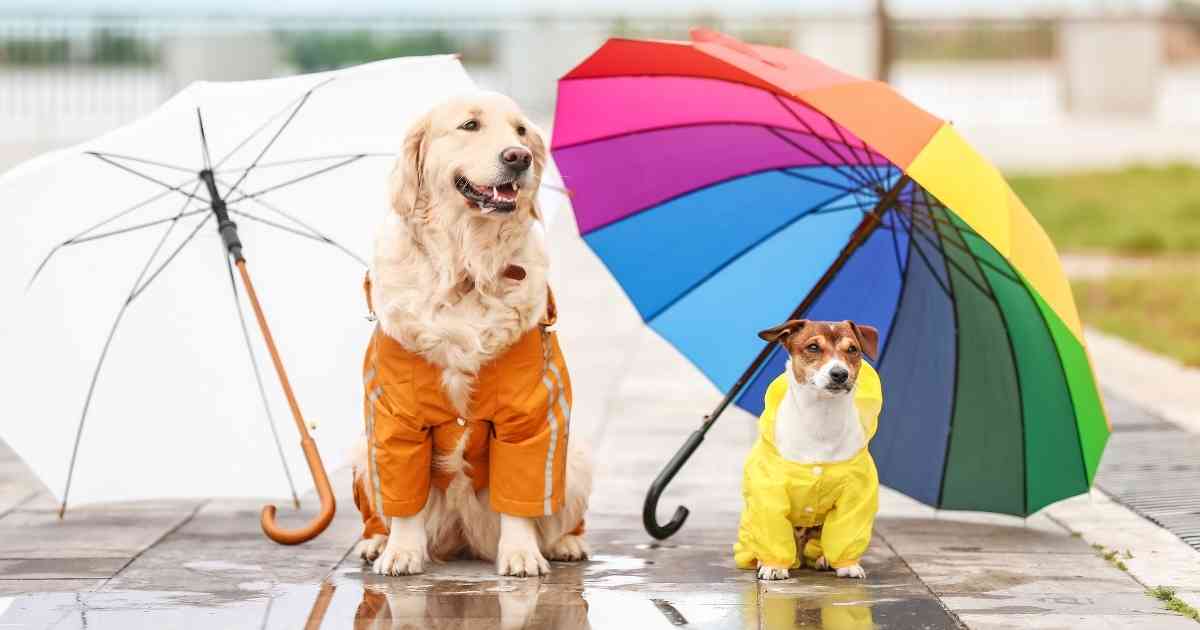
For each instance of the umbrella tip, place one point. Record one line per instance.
(296, 501)
(62, 511)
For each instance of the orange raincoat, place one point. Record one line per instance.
(518, 423)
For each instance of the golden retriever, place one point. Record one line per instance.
(463, 215)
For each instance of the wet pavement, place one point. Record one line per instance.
(628, 584)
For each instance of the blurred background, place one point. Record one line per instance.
(1091, 107)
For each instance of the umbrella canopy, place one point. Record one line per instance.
(729, 187)
(126, 356)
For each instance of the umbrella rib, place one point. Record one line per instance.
(270, 119)
(120, 156)
(312, 231)
(87, 402)
(139, 226)
(816, 180)
(271, 142)
(262, 392)
(171, 257)
(1012, 349)
(807, 212)
(203, 140)
(813, 133)
(930, 223)
(855, 177)
(853, 151)
(265, 165)
(902, 269)
(925, 260)
(149, 178)
(301, 178)
(312, 234)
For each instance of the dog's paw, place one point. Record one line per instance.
(569, 548)
(772, 573)
(400, 561)
(852, 571)
(821, 564)
(521, 563)
(369, 548)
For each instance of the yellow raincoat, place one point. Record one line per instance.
(782, 495)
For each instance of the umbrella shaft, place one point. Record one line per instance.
(274, 352)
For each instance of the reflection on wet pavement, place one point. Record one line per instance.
(629, 585)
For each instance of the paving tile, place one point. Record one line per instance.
(91, 534)
(952, 535)
(1075, 603)
(60, 568)
(1009, 574)
(1018, 621)
(12, 587)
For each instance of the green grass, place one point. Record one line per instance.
(1157, 308)
(1138, 210)
(1166, 595)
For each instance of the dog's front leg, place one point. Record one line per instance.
(407, 547)
(518, 552)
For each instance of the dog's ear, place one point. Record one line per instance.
(406, 181)
(868, 339)
(537, 146)
(780, 332)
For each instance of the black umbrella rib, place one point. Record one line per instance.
(132, 228)
(262, 391)
(172, 256)
(317, 158)
(87, 402)
(203, 141)
(77, 237)
(816, 180)
(813, 133)
(296, 180)
(270, 119)
(851, 175)
(271, 142)
(119, 156)
(312, 233)
(732, 259)
(178, 189)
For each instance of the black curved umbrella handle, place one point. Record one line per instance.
(650, 507)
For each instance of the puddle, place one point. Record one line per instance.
(611, 592)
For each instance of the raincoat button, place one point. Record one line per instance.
(808, 508)
(816, 470)
(461, 422)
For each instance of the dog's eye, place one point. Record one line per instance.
(520, 130)
(470, 125)
(851, 350)
(812, 347)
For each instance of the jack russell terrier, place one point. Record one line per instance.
(810, 486)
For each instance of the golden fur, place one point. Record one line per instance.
(439, 288)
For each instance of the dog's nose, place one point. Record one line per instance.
(839, 375)
(516, 158)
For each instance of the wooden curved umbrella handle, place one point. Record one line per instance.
(320, 479)
(324, 491)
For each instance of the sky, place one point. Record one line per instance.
(480, 8)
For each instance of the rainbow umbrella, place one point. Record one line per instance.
(729, 187)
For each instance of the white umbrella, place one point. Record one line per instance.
(125, 359)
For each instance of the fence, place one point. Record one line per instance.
(66, 78)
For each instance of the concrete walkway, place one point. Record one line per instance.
(178, 564)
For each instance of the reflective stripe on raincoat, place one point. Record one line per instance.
(781, 495)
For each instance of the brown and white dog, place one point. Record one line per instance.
(817, 420)
(463, 212)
